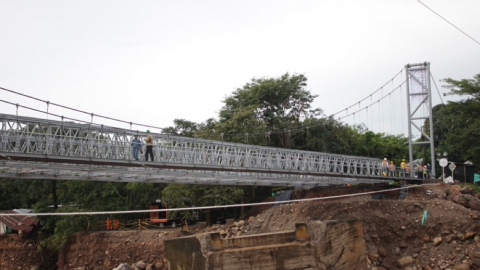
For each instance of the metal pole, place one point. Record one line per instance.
(432, 147)
(409, 119)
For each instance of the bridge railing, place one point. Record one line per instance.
(35, 137)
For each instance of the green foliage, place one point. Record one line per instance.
(457, 124)
(180, 196)
(465, 87)
(202, 194)
(267, 104)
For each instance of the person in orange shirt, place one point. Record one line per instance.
(109, 224)
(391, 169)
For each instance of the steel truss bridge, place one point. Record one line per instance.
(33, 148)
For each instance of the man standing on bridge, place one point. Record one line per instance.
(149, 142)
(136, 146)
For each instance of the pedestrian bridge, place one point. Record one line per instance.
(33, 148)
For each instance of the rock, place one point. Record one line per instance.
(449, 238)
(150, 267)
(261, 220)
(382, 252)
(463, 199)
(123, 266)
(437, 240)
(474, 204)
(426, 238)
(453, 191)
(405, 261)
(251, 219)
(241, 222)
(141, 265)
(467, 190)
(462, 266)
(374, 257)
(470, 235)
(476, 254)
(476, 263)
(158, 265)
(36, 267)
(403, 244)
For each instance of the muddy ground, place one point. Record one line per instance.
(394, 235)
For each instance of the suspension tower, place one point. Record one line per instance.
(419, 102)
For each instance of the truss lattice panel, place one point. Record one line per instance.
(55, 146)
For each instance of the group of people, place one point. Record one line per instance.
(420, 171)
(137, 146)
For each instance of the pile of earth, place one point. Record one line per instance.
(394, 235)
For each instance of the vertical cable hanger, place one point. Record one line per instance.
(48, 104)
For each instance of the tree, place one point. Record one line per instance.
(267, 104)
(465, 87)
(457, 124)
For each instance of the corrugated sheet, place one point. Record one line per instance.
(24, 223)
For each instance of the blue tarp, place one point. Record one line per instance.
(476, 178)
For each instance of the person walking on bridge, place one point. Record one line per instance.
(384, 167)
(391, 169)
(149, 142)
(402, 167)
(136, 146)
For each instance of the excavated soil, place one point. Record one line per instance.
(394, 235)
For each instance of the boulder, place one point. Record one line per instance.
(141, 265)
(474, 204)
(463, 199)
(476, 263)
(405, 261)
(470, 234)
(453, 191)
(437, 241)
(462, 266)
(382, 252)
(467, 190)
(123, 266)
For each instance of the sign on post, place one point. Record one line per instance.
(443, 162)
(452, 166)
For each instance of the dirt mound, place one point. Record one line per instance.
(393, 228)
(20, 252)
(394, 234)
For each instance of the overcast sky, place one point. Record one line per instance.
(154, 61)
